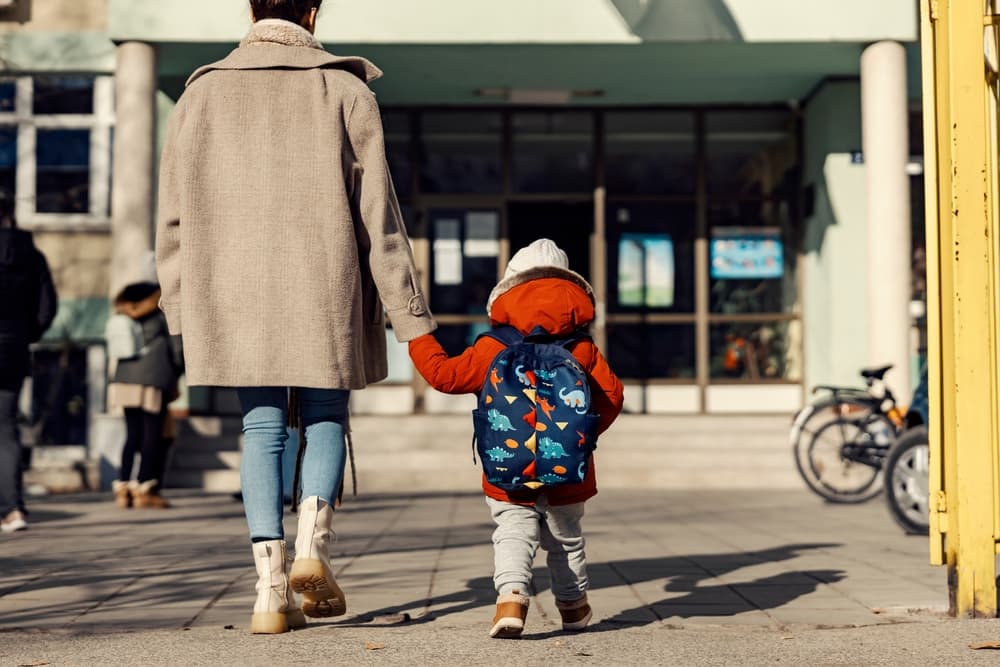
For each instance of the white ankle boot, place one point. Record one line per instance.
(311, 574)
(275, 610)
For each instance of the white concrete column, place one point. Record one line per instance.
(132, 183)
(885, 140)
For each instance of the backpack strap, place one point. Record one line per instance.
(507, 335)
(540, 335)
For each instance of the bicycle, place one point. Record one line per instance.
(907, 466)
(840, 441)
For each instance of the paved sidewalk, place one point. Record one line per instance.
(699, 578)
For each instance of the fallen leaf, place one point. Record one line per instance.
(991, 645)
(585, 655)
(788, 637)
(372, 646)
(34, 664)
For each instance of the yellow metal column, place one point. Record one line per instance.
(962, 290)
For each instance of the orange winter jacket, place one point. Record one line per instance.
(560, 307)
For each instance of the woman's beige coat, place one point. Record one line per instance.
(279, 237)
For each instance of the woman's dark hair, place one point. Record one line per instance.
(288, 10)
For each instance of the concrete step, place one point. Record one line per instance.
(213, 481)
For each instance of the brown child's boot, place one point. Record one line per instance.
(575, 614)
(512, 609)
(146, 495)
(123, 495)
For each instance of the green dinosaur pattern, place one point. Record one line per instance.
(551, 449)
(498, 454)
(498, 421)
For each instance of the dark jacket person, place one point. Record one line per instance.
(27, 308)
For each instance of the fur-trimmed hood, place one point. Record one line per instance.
(542, 258)
(273, 43)
(537, 273)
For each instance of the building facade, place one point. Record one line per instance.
(703, 162)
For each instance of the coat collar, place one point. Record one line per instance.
(273, 44)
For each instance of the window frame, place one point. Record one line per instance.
(27, 124)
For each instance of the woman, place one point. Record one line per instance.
(279, 240)
(143, 381)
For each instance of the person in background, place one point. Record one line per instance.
(279, 238)
(142, 385)
(27, 308)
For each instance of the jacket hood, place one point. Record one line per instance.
(276, 44)
(535, 273)
(16, 246)
(558, 305)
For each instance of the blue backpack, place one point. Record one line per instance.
(533, 426)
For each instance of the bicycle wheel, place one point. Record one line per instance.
(839, 449)
(809, 421)
(906, 470)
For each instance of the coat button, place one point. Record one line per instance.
(417, 306)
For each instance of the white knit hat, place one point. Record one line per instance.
(540, 259)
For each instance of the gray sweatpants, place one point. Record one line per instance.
(519, 532)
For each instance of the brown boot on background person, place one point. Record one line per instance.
(123, 494)
(312, 575)
(512, 609)
(146, 495)
(575, 614)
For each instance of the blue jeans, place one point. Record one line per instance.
(265, 415)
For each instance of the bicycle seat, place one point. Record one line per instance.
(875, 373)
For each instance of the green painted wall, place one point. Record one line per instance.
(835, 239)
(86, 52)
(625, 74)
(534, 22)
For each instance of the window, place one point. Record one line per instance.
(62, 159)
(8, 158)
(553, 152)
(55, 148)
(650, 153)
(460, 152)
(651, 257)
(749, 152)
(397, 151)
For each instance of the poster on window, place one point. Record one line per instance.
(646, 270)
(747, 253)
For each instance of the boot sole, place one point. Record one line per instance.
(322, 596)
(578, 625)
(507, 628)
(268, 623)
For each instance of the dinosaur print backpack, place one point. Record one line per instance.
(533, 425)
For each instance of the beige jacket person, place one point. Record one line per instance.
(279, 236)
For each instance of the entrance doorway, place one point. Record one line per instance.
(570, 225)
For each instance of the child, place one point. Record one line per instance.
(538, 290)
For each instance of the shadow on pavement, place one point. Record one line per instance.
(683, 574)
